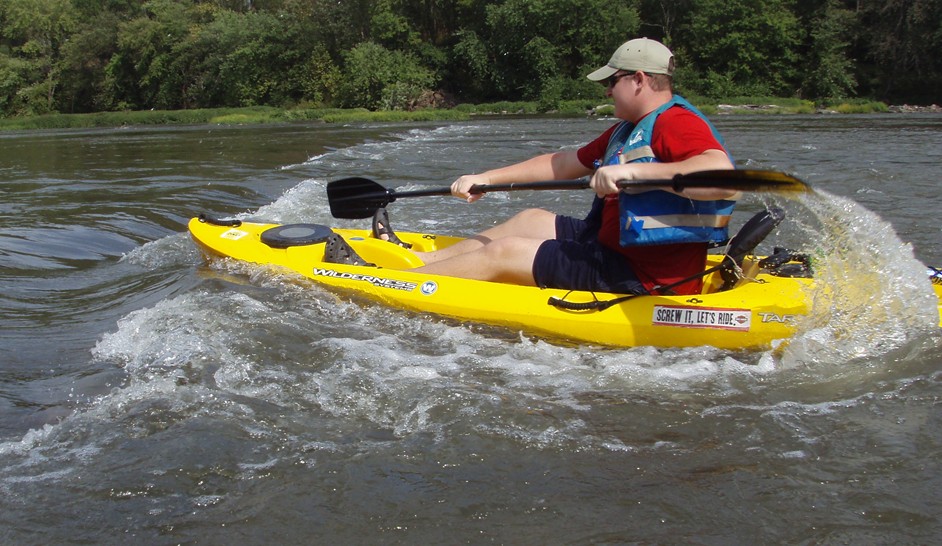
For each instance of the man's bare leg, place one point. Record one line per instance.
(507, 259)
(536, 224)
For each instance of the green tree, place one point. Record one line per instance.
(340, 26)
(377, 78)
(243, 59)
(388, 27)
(664, 16)
(35, 30)
(901, 46)
(830, 71)
(13, 77)
(144, 70)
(471, 67)
(743, 47)
(537, 46)
(436, 21)
(82, 62)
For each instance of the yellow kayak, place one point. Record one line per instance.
(762, 307)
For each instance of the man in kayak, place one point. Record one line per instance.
(630, 242)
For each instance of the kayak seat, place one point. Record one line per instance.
(289, 235)
(753, 232)
(383, 253)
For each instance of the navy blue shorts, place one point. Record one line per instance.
(575, 260)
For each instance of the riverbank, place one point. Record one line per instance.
(264, 114)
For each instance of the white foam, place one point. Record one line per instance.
(165, 252)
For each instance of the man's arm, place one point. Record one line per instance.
(605, 179)
(553, 166)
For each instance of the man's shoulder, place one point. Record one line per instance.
(677, 115)
(679, 110)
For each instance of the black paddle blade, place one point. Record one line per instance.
(354, 198)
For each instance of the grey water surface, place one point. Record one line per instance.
(149, 396)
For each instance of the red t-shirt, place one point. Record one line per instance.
(678, 134)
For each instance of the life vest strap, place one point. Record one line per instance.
(682, 220)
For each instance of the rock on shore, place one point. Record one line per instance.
(908, 109)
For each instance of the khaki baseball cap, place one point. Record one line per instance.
(649, 56)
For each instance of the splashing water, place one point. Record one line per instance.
(871, 293)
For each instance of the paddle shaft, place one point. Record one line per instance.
(749, 182)
(360, 197)
(580, 184)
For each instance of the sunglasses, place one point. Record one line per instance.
(612, 80)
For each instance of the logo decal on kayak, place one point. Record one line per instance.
(233, 234)
(429, 288)
(775, 317)
(702, 317)
(380, 282)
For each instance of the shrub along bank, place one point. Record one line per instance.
(262, 114)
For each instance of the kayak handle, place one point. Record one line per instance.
(212, 220)
(586, 305)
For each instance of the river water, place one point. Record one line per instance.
(149, 396)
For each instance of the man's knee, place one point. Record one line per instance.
(533, 214)
(511, 249)
(534, 223)
(499, 249)
(510, 259)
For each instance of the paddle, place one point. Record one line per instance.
(360, 197)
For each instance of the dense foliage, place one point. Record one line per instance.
(106, 55)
